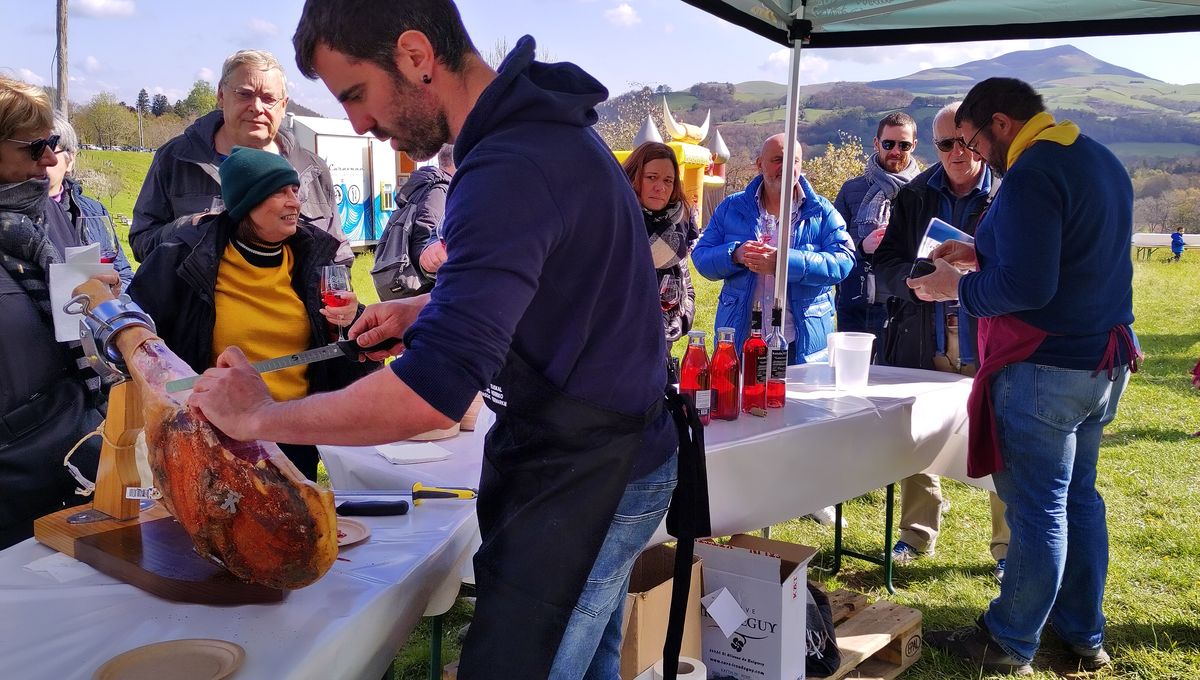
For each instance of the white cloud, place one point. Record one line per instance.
(813, 69)
(262, 27)
(622, 15)
(91, 64)
(103, 9)
(936, 55)
(30, 77)
(172, 93)
(205, 73)
(668, 28)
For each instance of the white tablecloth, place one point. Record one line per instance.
(347, 625)
(823, 447)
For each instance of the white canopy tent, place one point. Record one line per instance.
(810, 24)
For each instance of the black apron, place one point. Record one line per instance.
(554, 471)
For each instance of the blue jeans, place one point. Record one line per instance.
(591, 645)
(1050, 421)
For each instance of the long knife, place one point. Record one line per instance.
(341, 348)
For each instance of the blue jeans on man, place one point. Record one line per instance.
(1050, 422)
(591, 645)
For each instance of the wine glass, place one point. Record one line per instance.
(100, 229)
(335, 286)
(670, 292)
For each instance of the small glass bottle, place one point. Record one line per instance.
(754, 364)
(778, 347)
(725, 372)
(694, 375)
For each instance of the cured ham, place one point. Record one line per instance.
(244, 504)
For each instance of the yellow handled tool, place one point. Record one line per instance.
(422, 492)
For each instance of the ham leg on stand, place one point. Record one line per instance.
(244, 504)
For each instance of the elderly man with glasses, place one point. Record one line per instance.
(865, 202)
(183, 183)
(933, 335)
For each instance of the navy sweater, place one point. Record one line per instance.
(1054, 251)
(547, 254)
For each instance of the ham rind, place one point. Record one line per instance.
(244, 504)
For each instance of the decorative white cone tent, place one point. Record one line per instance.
(860, 23)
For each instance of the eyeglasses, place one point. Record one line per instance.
(971, 142)
(38, 147)
(889, 144)
(947, 145)
(246, 97)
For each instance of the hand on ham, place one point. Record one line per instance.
(231, 394)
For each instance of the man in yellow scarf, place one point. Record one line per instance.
(1053, 291)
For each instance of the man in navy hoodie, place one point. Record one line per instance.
(546, 302)
(1054, 297)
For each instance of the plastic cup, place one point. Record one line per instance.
(850, 356)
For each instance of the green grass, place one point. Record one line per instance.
(1148, 469)
(132, 167)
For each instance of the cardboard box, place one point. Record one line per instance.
(769, 580)
(648, 607)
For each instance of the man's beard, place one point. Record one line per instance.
(418, 126)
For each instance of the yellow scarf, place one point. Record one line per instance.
(1042, 128)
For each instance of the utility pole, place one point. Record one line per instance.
(62, 57)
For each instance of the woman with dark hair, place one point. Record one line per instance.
(250, 277)
(653, 170)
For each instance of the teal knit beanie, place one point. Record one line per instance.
(249, 176)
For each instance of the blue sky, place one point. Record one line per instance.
(121, 46)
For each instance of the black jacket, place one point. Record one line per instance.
(909, 340)
(176, 285)
(420, 209)
(183, 181)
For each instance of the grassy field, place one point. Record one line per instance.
(1148, 477)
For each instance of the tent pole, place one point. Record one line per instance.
(789, 174)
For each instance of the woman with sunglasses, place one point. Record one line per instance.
(47, 402)
(90, 218)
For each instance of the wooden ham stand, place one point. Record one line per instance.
(144, 548)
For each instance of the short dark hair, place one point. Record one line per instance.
(1014, 98)
(896, 119)
(368, 30)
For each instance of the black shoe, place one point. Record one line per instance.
(975, 644)
(1091, 659)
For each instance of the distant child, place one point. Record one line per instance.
(1177, 243)
(1196, 384)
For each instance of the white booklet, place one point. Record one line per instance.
(937, 233)
(82, 263)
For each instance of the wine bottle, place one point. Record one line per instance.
(778, 347)
(754, 364)
(694, 375)
(724, 373)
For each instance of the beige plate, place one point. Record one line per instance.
(197, 659)
(351, 531)
(435, 435)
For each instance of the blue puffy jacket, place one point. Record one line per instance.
(821, 255)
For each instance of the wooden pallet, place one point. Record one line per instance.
(878, 642)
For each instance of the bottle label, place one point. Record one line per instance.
(703, 400)
(760, 369)
(779, 359)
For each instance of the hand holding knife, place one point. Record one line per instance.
(341, 348)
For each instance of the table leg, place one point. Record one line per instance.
(886, 561)
(435, 647)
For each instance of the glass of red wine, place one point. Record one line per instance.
(670, 292)
(101, 230)
(335, 288)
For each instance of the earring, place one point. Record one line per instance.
(426, 79)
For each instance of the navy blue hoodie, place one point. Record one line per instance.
(546, 253)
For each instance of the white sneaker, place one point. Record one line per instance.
(826, 517)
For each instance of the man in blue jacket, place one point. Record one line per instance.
(737, 247)
(1053, 293)
(547, 302)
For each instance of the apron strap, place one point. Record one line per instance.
(688, 518)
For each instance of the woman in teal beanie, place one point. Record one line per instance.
(250, 277)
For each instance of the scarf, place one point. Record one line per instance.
(26, 251)
(1038, 129)
(668, 232)
(876, 208)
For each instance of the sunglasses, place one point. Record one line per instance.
(947, 145)
(889, 144)
(38, 146)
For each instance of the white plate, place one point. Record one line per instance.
(351, 531)
(195, 659)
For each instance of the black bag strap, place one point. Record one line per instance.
(688, 518)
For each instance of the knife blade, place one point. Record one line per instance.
(341, 348)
